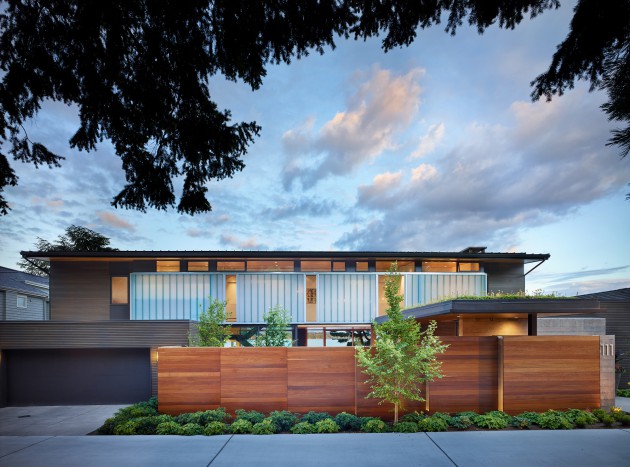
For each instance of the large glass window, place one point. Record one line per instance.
(271, 265)
(439, 266)
(469, 267)
(339, 266)
(167, 266)
(120, 294)
(315, 266)
(231, 266)
(403, 265)
(362, 266)
(197, 266)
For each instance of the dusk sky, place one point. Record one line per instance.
(433, 147)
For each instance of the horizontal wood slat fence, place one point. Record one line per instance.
(511, 373)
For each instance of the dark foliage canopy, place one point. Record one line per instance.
(139, 71)
(75, 238)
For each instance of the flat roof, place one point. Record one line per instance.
(502, 307)
(268, 254)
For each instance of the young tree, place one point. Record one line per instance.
(212, 330)
(403, 356)
(274, 334)
(75, 238)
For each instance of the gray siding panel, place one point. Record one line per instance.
(618, 324)
(505, 277)
(98, 334)
(35, 307)
(3, 311)
(79, 290)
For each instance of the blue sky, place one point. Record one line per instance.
(432, 147)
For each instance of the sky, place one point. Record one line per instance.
(432, 147)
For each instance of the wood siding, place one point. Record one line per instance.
(550, 372)
(79, 290)
(538, 373)
(95, 334)
(470, 371)
(505, 277)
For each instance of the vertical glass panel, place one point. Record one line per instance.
(315, 337)
(230, 265)
(197, 266)
(257, 293)
(119, 290)
(230, 297)
(339, 266)
(346, 298)
(167, 266)
(315, 266)
(311, 298)
(439, 266)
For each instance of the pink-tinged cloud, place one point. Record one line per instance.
(112, 220)
(429, 142)
(242, 244)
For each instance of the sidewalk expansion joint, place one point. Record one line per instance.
(217, 454)
(25, 447)
(443, 451)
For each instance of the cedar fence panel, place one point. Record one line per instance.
(469, 366)
(550, 372)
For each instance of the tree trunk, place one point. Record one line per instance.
(396, 412)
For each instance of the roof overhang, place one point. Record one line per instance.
(501, 308)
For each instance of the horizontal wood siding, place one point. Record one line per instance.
(189, 379)
(469, 366)
(254, 379)
(79, 290)
(321, 379)
(92, 334)
(550, 372)
(539, 373)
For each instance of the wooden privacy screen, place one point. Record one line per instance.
(525, 373)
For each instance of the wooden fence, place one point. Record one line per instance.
(512, 373)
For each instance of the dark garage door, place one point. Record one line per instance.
(77, 376)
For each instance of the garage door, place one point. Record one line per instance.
(77, 376)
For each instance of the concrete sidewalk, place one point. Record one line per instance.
(522, 448)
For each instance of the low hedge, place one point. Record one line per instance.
(143, 419)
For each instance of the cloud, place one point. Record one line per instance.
(429, 141)
(543, 166)
(572, 288)
(301, 207)
(112, 220)
(247, 244)
(580, 274)
(376, 113)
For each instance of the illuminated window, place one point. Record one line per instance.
(315, 266)
(230, 298)
(167, 266)
(197, 265)
(469, 267)
(231, 266)
(439, 266)
(120, 288)
(284, 266)
(403, 265)
(362, 266)
(339, 266)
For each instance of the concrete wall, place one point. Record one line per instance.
(607, 371)
(572, 326)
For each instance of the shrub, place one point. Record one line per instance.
(521, 422)
(625, 420)
(580, 418)
(215, 428)
(553, 420)
(608, 420)
(406, 427)
(432, 424)
(500, 414)
(148, 425)
(623, 392)
(468, 413)
(491, 421)
(283, 420)
(108, 426)
(252, 417)
(126, 428)
(168, 428)
(600, 414)
(413, 417)
(314, 417)
(266, 427)
(327, 425)
(135, 411)
(191, 429)
(185, 418)
(217, 415)
(443, 416)
(303, 428)
(461, 422)
(241, 426)
(616, 413)
(533, 417)
(374, 425)
(348, 422)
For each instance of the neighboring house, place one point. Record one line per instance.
(109, 311)
(23, 296)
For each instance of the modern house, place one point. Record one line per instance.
(110, 311)
(23, 296)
